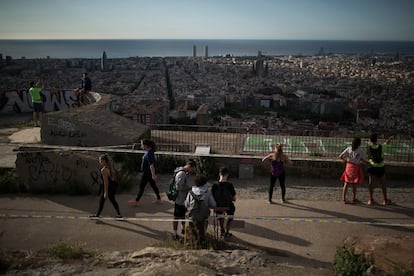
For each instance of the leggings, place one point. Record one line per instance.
(111, 196)
(281, 182)
(144, 180)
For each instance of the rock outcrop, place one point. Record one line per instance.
(388, 255)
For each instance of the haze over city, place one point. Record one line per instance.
(194, 19)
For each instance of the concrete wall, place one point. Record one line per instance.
(90, 125)
(64, 172)
(21, 102)
(67, 171)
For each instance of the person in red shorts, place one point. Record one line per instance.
(353, 173)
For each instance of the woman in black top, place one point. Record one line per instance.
(109, 185)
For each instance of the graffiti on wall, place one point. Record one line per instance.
(20, 101)
(59, 127)
(43, 169)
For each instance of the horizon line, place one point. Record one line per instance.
(268, 39)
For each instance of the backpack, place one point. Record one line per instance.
(376, 154)
(199, 210)
(222, 195)
(172, 192)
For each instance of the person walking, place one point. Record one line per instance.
(37, 101)
(183, 185)
(108, 190)
(148, 172)
(278, 158)
(353, 174)
(376, 169)
(225, 196)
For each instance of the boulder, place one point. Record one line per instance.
(388, 254)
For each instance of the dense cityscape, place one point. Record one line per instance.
(333, 95)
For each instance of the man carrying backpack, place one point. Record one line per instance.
(183, 186)
(376, 169)
(199, 201)
(225, 195)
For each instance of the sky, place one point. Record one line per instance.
(208, 19)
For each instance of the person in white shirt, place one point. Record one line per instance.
(353, 174)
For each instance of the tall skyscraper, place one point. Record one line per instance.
(194, 51)
(104, 62)
(206, 51)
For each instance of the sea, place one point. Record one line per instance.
(124, 48)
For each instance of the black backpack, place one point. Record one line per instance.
(172, 192)
(376, 154)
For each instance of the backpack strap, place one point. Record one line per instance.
(194, 195)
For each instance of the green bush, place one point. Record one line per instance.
(66, 251)
(166, 164)
(206, 166)
(348, 264)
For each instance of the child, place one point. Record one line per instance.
(225, 195)
(199, 201)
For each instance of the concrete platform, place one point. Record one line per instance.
(305, 232)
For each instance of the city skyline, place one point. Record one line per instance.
(382, 20)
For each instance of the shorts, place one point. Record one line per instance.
(353, 174)
(38, 107)
(179, 211)
(376, 171)
(230, 211)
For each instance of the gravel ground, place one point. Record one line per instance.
(321, 189)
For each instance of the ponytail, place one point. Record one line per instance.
(110, 164)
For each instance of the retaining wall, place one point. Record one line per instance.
(91, 125)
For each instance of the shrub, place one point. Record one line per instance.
(206, 166)
(348, 264)
(66, 251)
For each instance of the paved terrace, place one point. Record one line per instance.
(304, 231)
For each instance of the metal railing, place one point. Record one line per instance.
(180, 138)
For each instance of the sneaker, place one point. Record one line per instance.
(283, 201)
(118, 217)
(270, 202)
(386, 202)
(157, 201)
(133, 202)
(370, 202)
